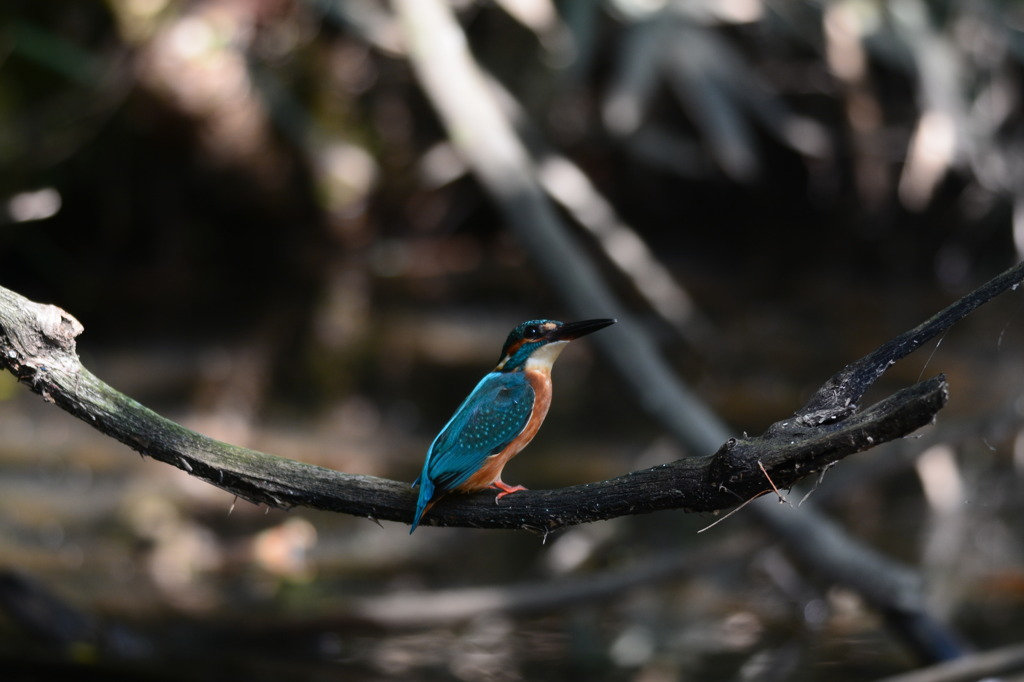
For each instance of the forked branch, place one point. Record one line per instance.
(37, 344)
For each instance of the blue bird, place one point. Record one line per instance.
(500, 417)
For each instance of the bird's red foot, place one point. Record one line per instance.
(505, 489)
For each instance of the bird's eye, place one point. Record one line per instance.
(531, 332)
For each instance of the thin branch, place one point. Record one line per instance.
(841, 393)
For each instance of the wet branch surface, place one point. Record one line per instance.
(37, 344)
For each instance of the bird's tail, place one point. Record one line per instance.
(424, 502)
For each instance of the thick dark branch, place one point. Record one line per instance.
(738, 471)
(37, 344)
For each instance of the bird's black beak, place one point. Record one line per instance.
(574, 330)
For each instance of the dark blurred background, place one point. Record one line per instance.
(256, 213)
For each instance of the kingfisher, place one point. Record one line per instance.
(500, 417)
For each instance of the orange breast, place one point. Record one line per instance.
(491, 470)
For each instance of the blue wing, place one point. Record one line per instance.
(488, 420)
(491, 417)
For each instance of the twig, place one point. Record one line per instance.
(731, 512)
(778, 493)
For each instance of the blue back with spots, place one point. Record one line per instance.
(488, 420)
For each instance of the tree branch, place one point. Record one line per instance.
(37, 344)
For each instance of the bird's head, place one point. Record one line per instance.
(540, 341)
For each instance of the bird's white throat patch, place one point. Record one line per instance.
(544, 357)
